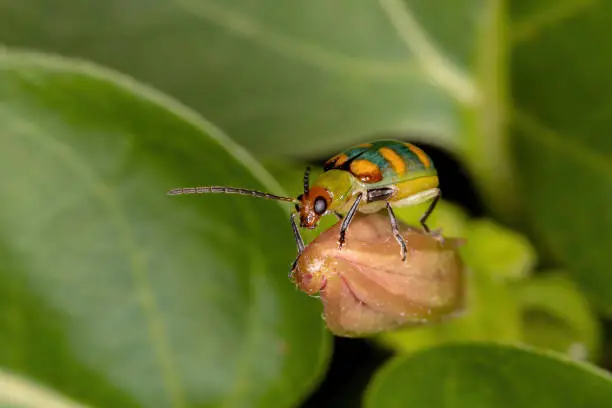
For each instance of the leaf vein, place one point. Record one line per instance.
(441, 70)
(304, 51)
(554, 141)
(531, 26)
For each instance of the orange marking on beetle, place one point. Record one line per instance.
(332, 159)
(342, 158)
(338, 160)
(366, 171)
(420, 154)
(365, 145)
(394, 159)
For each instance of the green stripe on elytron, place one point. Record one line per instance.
(374, 156)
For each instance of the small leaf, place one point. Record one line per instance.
(556, 315)
(485, 376)
(116, 294)
(498, 251)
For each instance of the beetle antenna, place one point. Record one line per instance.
(307, 180)
(229, 190)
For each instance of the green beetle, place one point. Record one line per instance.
(366, 178)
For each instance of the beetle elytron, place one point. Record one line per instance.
(365, 178)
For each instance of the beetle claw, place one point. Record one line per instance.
(293, 268)
(341, 241)
(403, 249)
(437, 234)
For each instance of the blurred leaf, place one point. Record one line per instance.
(17, 392)
(563, 92)
(556, 315)
(475, 376)
(283, 77)
(498, 251)
(114, 293)
(265, 70)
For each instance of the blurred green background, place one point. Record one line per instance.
(114, 295)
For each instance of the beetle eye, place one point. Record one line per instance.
(297, 207)
(320, 205)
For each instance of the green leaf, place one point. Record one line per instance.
(261, 69)
(563, 92)
(498, 251)
(556, 315)
(112, 292)
(475, 376)
(285, 78)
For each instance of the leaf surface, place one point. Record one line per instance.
(481, 375)
(116, 294)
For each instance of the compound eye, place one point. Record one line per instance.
(320, 205)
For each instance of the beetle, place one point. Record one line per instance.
(366, 178)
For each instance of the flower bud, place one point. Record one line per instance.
(366, 288)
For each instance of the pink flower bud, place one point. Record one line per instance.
(366, 287)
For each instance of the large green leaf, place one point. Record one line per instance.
(303, 77)
(563, 91)
(118, 295)
(484, 376)
(281, 71)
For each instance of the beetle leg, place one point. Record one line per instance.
(395, 229)
(298, 241)
(347, 220)
(428, 212)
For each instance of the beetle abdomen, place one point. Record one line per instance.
(382, 161)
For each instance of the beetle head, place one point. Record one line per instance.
(312, 204)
